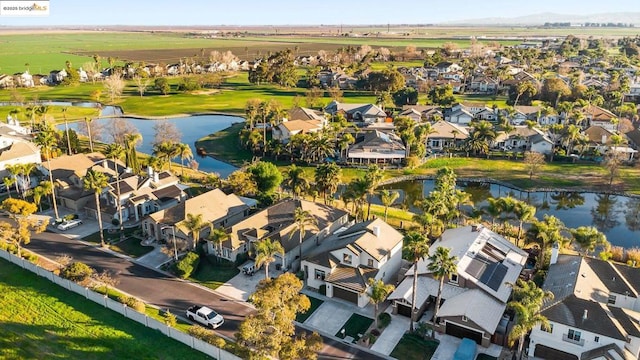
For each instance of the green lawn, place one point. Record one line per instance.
(213, 273)
(225, 145)
(74, 113)
(413, 347)
(110, 235)
(356, 326)
(315, 304)
(131, 247)
(40, 320)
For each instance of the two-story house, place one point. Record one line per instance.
(344, 262)
(359, 113)
(377, 147)
(474, 299)
(597, 116)
(277, 223)
(595, 312)
(446, 135)
(299, 121)
(218, 209)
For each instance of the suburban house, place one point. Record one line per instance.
(597, 116)
(377, 147)
(299, 121)
(16, 146)
(277, 223)
(141, 195)
(460, 116)
(446, 135)
(427, 112)
(475, 298)
(523, 138)
(599, 138)
(217, 209)
(483, 84)
(344, 262)
(447, 67)
(359, 113)
(595, 312)
(412, 113)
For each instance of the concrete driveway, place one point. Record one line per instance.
(241, 286)
(329, 317)
(449, 344)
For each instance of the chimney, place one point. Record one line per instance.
(584, 316)
(474, 228)
(555, 249)
(376, 231)
(150, 171)
(156, 177)
(604, 139)
(127, 170)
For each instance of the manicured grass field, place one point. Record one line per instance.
(225, 145)
(212, 273)
(412, 347)
(131, 247)
(356, 326)
(73, 113)
(40, 320)
(315, 304)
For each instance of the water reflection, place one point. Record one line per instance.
(616, 216)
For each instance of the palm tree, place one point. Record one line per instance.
(545, 233)
(185, 153)
(8, 183)
(131, 156)
(96, 181)
(266, 251)
(303, 220)
(88, 121)
(494, 209)
(442, 266)
(37, 193)
(344, 142)
(115, 151)
(46, 140)
(416, 248)
(378, 292)
(356, 192)
(194, 223)
(523, 212)
(372, 177)
(387, 198)
(588, 237)
(527, 302)
(66, 129)
(327, 178)
(14, 171)
(45, 187)
(432, 226)
(295, 180)
(218, 236)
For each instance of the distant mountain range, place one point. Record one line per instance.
(540, 19)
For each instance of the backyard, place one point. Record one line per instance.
(39, 319)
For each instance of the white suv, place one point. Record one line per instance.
(69, 224)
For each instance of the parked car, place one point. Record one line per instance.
(249, 268)
(69, 224)
(205, 316)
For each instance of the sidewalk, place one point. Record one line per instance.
(391, 334)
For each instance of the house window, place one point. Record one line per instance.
(574, 335)
(549, 330)
(454, 278)
(347, 258)
(612, 299)
(370, 262)
(597, 339)
(319, 275)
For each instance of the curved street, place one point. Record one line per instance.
(168, 292)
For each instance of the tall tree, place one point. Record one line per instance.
(131, 156)
(527, 302)
(303, 220)
(19, 234)
(270, 331)
(442, 266)
(387, 198)
(523, 212)
(96, 181)
(266, 251)
(588, 238)
(378, 292)
(116, 152)
(47, 142)
(295, 180)
(218, 236)
(185, 153)
(416, 248)
(194, 224)
(545, 233)
(327, 178)
(373, 176)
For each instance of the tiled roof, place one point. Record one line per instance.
(351, 278)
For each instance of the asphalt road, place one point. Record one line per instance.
(167, 292)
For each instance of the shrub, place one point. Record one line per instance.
(133, 303)
(188, 264)
(76, 271)
(617, 254)
(633, 256)
(70, 217)
(33, 258)
(115, 221)
(383, 320)
(170, 319)
(375, 332)
(207, 336)
(423, 330)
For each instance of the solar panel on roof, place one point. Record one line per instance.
(494, 275)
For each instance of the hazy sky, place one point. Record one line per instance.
(277, 12)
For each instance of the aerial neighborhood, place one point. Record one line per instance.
(295, 193)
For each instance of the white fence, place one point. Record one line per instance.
(122, 309)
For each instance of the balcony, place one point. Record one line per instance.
(566, 338)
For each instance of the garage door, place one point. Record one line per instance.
(545, 352)
(404, 310)
(345, 295)
(463, 332)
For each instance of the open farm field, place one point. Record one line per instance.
(41, 320)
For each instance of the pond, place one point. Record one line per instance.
(192, 128)
(616, 216)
